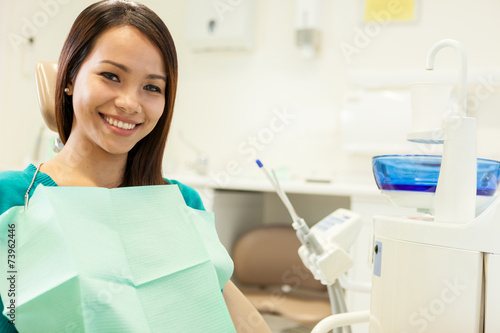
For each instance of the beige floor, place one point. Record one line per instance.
(279, 324)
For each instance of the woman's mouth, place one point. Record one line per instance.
(118, 123)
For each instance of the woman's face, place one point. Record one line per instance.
(119, 91)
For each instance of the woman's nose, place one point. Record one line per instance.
(129, 101)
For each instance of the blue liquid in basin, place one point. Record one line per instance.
(421, 172)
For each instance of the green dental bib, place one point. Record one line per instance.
(133, 259)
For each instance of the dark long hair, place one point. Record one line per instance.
(144, 161)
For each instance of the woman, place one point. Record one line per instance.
(115, 95)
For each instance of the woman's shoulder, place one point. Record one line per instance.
(13, 186)
(13, 181)
(191, 196)
(12, 177)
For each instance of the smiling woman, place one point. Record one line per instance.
(116, 39)
(118, 97)
(151, 250)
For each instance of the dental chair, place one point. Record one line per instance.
(45, 74)
(270, 273)
(47, 142)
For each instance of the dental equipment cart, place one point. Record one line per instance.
(437, 272)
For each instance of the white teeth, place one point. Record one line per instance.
(119, 124)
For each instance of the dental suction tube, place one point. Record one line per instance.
(309, 241)
(306, 238)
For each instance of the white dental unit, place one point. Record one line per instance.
(443, 274)
(437, 272)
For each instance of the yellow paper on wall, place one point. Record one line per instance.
(389, 10)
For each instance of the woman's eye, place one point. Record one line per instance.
(110, 76)
(152, 88)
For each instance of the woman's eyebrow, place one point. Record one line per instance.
(127, 70)
(156, 76)
(120, 66)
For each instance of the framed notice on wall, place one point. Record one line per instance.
(390, 10)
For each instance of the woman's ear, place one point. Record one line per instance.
(69, 89)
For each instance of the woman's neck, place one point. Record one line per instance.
(82, 164)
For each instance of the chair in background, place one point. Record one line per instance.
(270, 273)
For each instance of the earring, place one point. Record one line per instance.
(66, 90)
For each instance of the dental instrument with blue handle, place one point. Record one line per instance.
(323, 246)
(307, 239)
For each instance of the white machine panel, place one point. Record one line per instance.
(423, 288)
(492, 293)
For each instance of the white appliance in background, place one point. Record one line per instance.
(308, 24)
(220, 25)
(44, 147)
(375, 121)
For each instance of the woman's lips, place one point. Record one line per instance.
(120, 127)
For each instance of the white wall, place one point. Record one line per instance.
(4, 19)
(20, 118)
(225, 99)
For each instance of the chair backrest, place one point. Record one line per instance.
(45, 74)
(267, 256)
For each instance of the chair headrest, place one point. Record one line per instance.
(45, 75)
